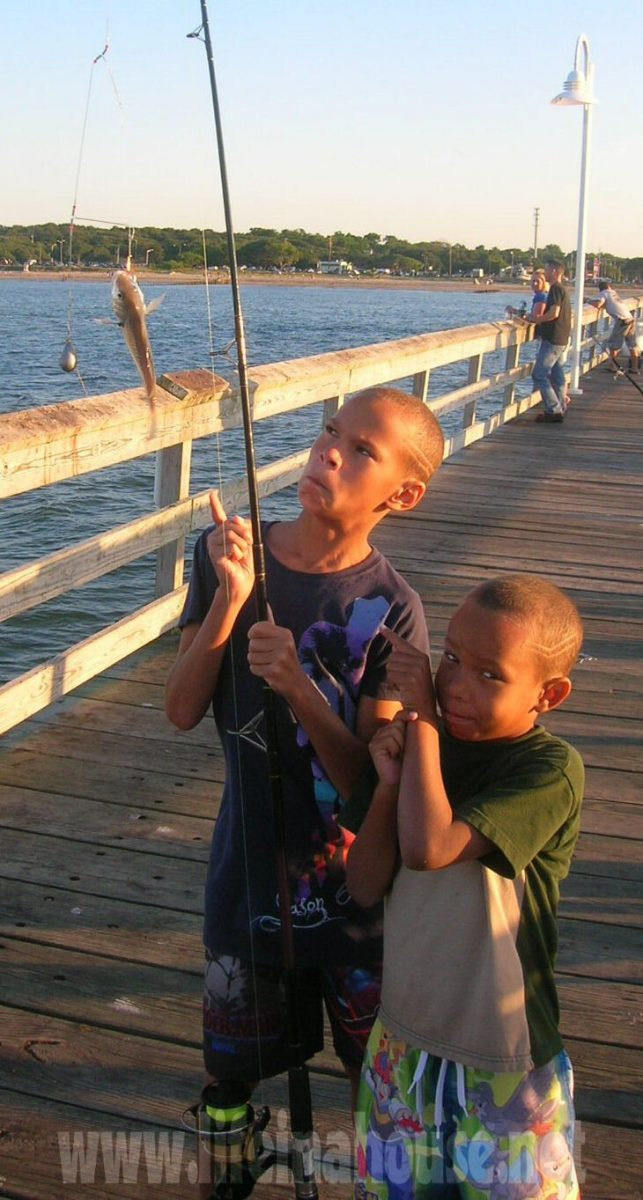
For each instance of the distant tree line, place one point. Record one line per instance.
(48, 246)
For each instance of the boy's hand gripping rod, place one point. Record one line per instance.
(301, 1153)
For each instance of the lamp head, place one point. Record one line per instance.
(576, 90)
(578, 87)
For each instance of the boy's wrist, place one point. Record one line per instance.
(301, 692)
(385, 792)
(226, 606)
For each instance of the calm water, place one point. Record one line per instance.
(281, 322)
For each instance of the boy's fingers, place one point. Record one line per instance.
(271, 615)
(217, 509)
(394, 638)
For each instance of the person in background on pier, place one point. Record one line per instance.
(324, 654)
(623, 329)
(470, 829)
(539, 288)
(553, 327)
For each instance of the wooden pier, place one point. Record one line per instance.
(106, 814)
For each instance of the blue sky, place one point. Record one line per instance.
(416, 118)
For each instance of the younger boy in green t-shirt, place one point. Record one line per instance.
(466, 1087)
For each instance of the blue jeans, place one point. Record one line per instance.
(548, 376)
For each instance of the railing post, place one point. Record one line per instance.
(475, 373)
(593, 333)
(330, 408)
(511, 360)
(421, 385)
(171, 483)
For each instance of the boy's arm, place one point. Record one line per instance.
(193, 678)
(373, 854)
(429, 834)
(192, 681)
(272, 655)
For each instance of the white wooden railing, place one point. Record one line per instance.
(43, 446)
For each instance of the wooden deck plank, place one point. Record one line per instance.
(151, 1077)
(595, 928)
(35, 1167)
(31, 1161)
(103, 779)
(179, 834)
(146, 998)
(104, 824)
(102, 803)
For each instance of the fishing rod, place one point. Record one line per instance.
(236, 1183)
(628, 376)
(618, 372)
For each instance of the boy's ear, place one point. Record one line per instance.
(554, 692)
(406, 496)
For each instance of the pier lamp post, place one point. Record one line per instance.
(147, 255)
(578, 88)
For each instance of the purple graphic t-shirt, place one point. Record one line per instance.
(334, 619)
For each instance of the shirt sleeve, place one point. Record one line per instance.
(536, 809)
(203, 584)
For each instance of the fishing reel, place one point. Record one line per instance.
(229, 1132)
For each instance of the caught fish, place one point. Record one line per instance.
(68, 359)
(130, 311)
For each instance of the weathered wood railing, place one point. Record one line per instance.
(43, 446)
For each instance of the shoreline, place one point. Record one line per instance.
(267, 279)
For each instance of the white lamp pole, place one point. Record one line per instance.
(578, 88)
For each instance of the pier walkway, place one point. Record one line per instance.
(106, 814)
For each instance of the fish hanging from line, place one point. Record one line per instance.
(130, 311)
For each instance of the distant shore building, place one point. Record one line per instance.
(334, 266)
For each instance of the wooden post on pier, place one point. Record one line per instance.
(475, 374)
(172, 475)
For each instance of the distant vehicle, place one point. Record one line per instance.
(334, 266)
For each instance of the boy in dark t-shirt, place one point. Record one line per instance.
(469, 832)
(329, 593)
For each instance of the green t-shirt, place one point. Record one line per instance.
(471, 976)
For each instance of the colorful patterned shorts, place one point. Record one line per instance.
(431, 1128)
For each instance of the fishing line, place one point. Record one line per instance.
(69, 358)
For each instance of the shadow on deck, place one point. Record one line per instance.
(106, 815)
